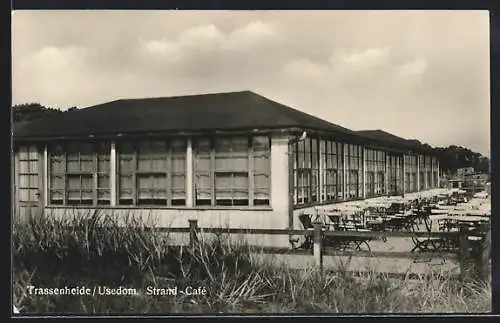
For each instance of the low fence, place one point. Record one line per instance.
(473, 257)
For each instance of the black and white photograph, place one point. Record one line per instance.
(250, 162)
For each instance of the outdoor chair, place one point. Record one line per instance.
(307, 224)
(427, 244)
(350, 223)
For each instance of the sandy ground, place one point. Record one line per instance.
(416, 265)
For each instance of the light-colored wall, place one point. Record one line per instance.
(273, 217)
(276, 216)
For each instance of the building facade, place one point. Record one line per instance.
(170, 160)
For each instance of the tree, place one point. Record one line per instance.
(454, 157)
(31, 111)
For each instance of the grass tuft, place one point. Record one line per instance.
(93, 250)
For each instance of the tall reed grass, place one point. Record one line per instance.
(94, 250)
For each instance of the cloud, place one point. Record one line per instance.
(350, 70)
(208, 38)
(202, 37)
(162, 49)
(54, 57)
(361, 60)
(250, 35)
(306, 70)
(55, 73)
(415, 68)
(391, 71)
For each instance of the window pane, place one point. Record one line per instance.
(87, 182)
(87, 194)
(260, 144)
(223, 182)
(126, 165)
(307, 150)
(72, 164)
(240, 182)
(103, 194)
(178, 165)
(145, 182)
(231, 154)
(103, 165)
(126, 182)
(33, 181)
(87, 164)
(203, 164)
(300, 154)
(222, 163)
(125, 194)
(57, 181)
(178, 181)
(56, 195)
(261, 181)
(103, 181)
(261, 164)
(222, 145)
(314, 153)
(74, 182)
(56, 167)
(24, 181)
(74, 194)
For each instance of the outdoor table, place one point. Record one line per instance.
(346, 241)
(438, 211)
(469, 213)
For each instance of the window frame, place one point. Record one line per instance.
(354, 169)
(251, 173)
(93, 174)
(332, 170)
(134, 157)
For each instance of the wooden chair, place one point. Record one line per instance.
(307, 224)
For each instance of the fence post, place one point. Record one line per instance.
(484, 252)
(193, 228)
(318, 246)
(464, 254)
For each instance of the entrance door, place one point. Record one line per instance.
(28, 182)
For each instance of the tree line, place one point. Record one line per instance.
(451, 158)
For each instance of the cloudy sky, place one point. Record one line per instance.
(417, 74)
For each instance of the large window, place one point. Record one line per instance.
(395, 174)
(28, 179)
(435, 172)
(410, 173)
(421, 179)
(303, 172)
(79, 174)
(380, 173)
(428, 170)
(232, 171)
(355, 169)
(331, 156)
(375, 170)
(152, 172)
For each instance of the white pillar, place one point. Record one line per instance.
(344, 173)
(189, 173)
(386, 171)
(112, 174)
(418, 173)
(45, 186)
(321, 171)
(364, 172)
(438, 184)
(404, 173)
